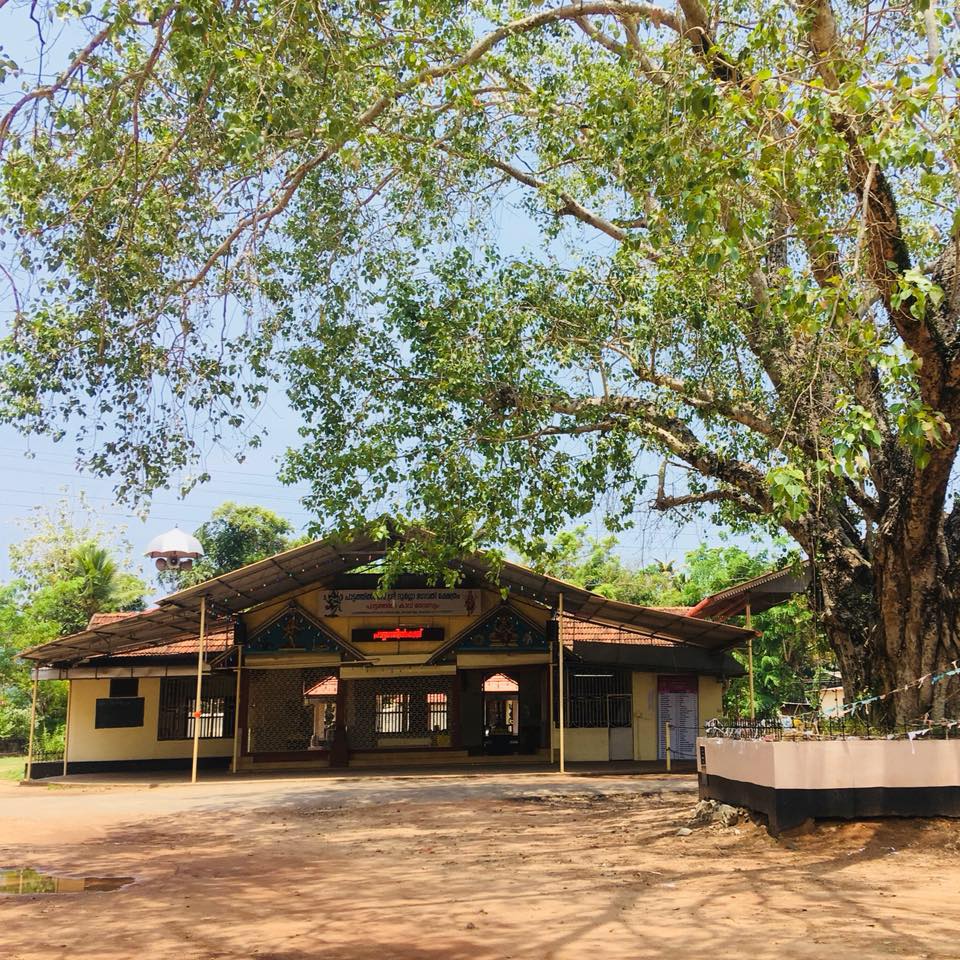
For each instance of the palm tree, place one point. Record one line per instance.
(97, 573)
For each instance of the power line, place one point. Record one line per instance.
(179, 504)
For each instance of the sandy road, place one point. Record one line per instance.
(463, 867)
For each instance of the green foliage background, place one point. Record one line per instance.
(791, 655)
(61, 577)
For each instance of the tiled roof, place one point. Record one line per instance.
(581, 631)
(500, 683)
(216, 640)
(327, 687)
(680, 611)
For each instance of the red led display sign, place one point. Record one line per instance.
(399, 634)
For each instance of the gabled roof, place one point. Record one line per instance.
(327, 687)
(761, 593)
(318, 564)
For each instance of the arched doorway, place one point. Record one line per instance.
(501, 713)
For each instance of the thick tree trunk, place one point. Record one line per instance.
(891, 613)
(844, 587)
(918, 633)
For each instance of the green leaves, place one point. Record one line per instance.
(916, 293)
(498, 297)
(921, 429)
(789, 490)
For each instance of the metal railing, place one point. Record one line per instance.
(826, 728)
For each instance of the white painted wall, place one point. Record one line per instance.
(833, 764)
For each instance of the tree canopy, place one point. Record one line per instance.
(746, 265)
(791, 656)
(62, 575)
(234, 536)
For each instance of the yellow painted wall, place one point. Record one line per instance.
(709, 700)
(127, 743)
(502, 660)
(831, 701)
(644, 716)
(583, 743)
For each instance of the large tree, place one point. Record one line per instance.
(748, 267)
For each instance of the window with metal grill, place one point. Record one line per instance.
(393, 713)
(598, 699)
(437, 712)
(177, 705)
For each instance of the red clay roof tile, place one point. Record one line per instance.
(585, 631)
(217, 639)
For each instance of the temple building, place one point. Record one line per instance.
(305, 664)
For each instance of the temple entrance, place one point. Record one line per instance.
(322, 696)
(501, 711)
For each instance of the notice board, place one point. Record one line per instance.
(677, 705)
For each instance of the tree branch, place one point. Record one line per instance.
(49, 90)
(672, 434)
(886, 255)
(663, 502)
(294, 178)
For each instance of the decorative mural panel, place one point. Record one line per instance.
(504, 630)
(293, 630)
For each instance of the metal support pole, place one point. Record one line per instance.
(753, 701)
(198, 709)
(550, 714)
(66, 729)
(666, 744)
(33, 724)
(562, 689)
(236, 714)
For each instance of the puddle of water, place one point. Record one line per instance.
(26, 880)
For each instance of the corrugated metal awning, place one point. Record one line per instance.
(761, 593)
(318, 564)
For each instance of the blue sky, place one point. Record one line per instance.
(36, 473)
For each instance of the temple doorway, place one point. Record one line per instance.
(501, 712)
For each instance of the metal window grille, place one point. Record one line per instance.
(393, 713)
(598, 699)
(437, 712)
(177, 704)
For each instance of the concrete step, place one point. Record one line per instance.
(385, 758)
(439, 758)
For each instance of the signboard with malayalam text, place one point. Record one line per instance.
(431, 602)
(677, 705)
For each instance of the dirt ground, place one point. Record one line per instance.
(464, 867)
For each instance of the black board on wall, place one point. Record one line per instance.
(119, 712)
